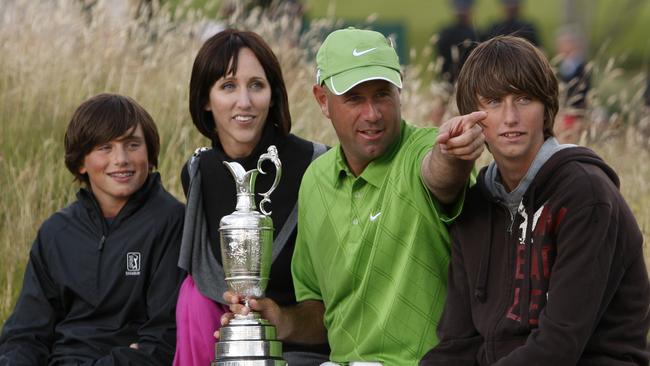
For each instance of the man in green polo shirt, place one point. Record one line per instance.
(371, 256)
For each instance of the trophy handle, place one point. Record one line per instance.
(272, 155)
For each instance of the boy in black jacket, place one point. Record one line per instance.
(101, 282)
(547, 263)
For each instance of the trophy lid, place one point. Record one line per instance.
(245, 215)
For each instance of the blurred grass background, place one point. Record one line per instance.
(55, 54)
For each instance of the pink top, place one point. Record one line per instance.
(197, 317)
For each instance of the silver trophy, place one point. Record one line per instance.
(246, 244)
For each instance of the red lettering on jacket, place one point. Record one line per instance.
(543, 243)
(534, 308)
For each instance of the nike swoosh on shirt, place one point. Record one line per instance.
(359, 53)
(375, 216)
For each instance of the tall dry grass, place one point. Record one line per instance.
(54, 56)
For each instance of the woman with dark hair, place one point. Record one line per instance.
(238, 100)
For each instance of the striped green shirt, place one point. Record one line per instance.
(375, 250)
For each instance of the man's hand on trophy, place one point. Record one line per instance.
(236, 304)
(267, 308)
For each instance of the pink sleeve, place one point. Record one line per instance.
(197, 317)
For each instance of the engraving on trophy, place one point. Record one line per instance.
(246, 245)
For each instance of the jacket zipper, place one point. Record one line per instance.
(100, 247)
(490, 353)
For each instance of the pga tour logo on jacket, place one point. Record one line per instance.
(133, 263)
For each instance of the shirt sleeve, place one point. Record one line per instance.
(419, 149)
(28, 333)
(302, 269)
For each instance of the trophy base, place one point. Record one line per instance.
(248, 341)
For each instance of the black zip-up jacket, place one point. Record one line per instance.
(91, 290)
(564, 283)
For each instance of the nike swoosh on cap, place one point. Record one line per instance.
(359, 53)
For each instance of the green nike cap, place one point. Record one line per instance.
(351, 56)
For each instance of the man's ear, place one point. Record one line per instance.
(320, 93)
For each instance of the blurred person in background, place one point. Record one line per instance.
(454, 41)
(575, 81)
(238, 100)
(101, 281)
(512, 24)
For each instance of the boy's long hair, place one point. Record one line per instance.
(508, 65)
(103, 118)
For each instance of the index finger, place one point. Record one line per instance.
(469, 120)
